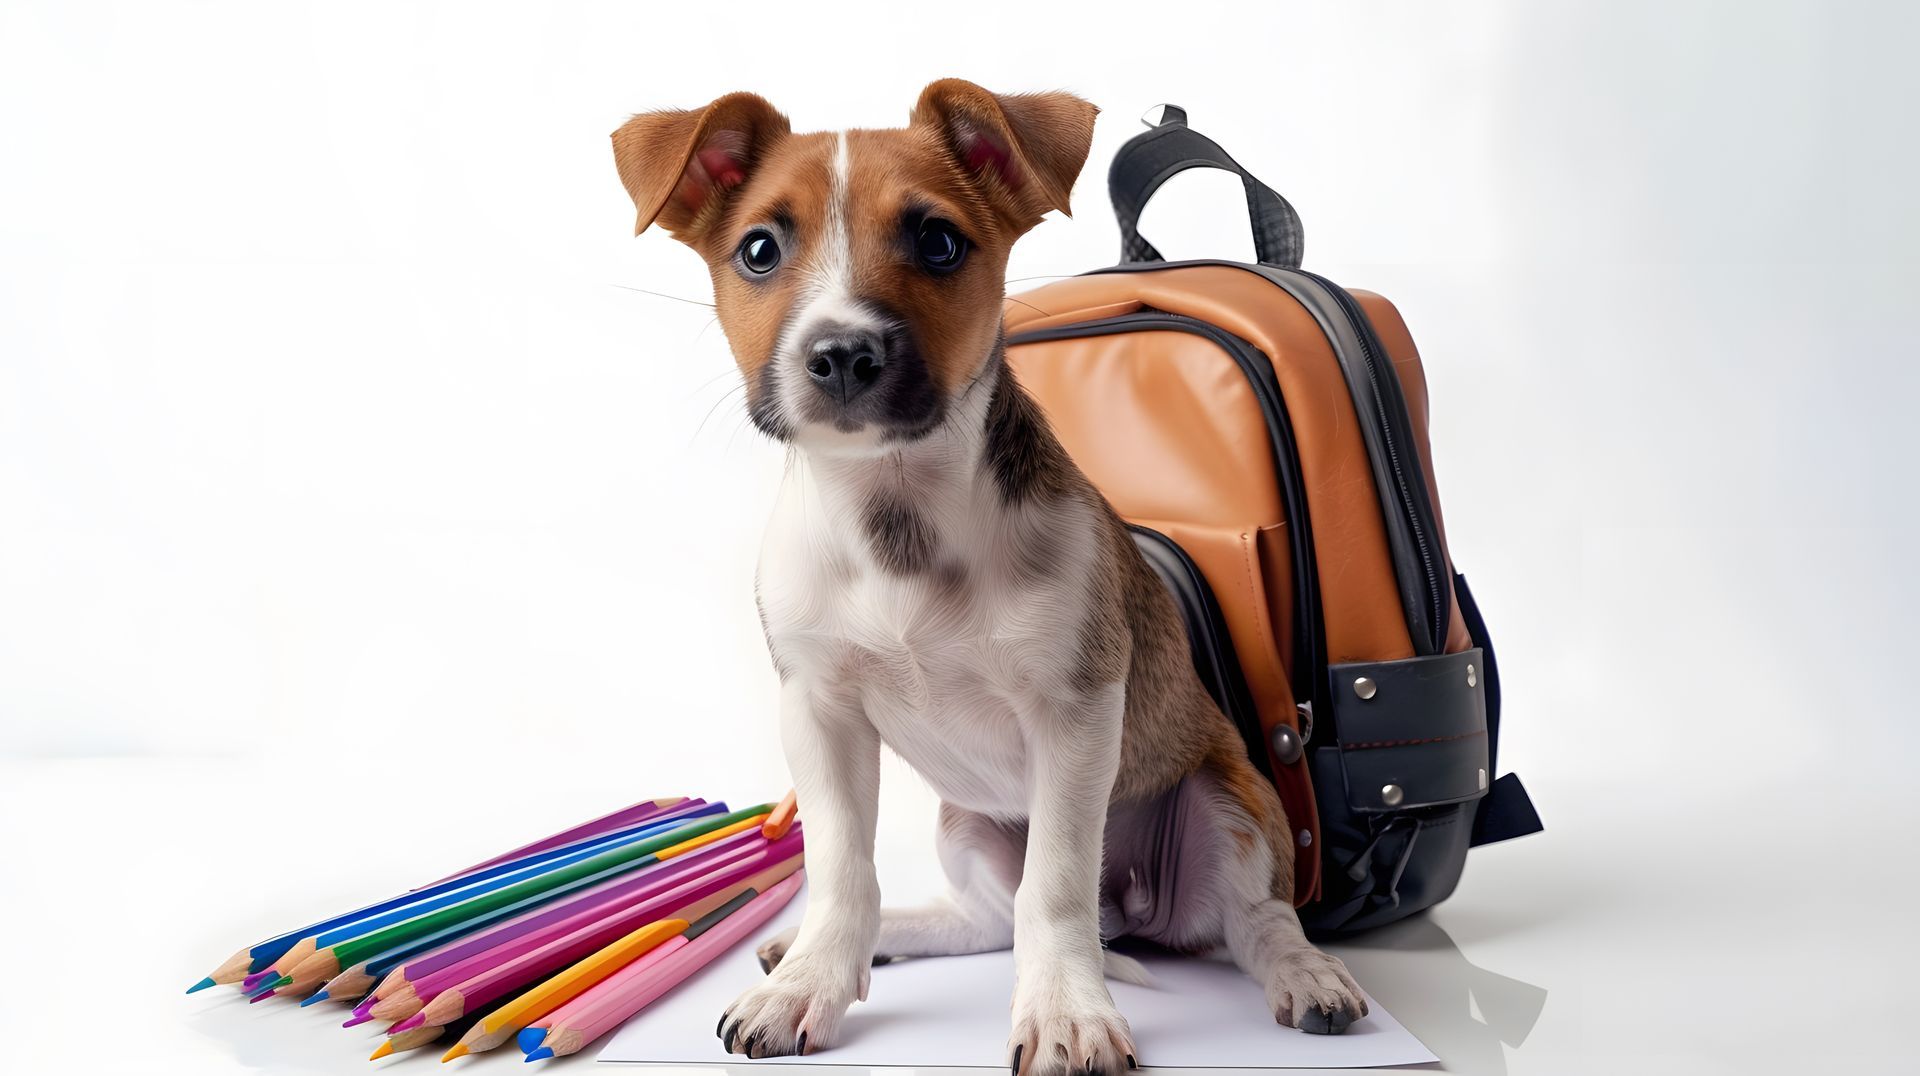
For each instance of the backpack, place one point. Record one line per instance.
(1263, 432)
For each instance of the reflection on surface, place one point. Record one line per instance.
(1462, 1011)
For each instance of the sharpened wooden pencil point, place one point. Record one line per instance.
(457, 1051)
(385, 1049)
(539, 1055)
(318, 996)
(408, 1024)
(201, 985)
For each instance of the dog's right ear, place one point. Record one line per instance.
(679, 165)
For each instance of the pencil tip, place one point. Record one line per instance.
(201, 985)
(261, 996)
(408, 1024)
(357, 1019)
(531, 1038)
(385, 1049)
(457, 1051)
(317, 996)
(540, 1055)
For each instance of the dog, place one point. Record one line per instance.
(939, 577)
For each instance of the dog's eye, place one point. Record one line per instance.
(759, 252)
(939, 247)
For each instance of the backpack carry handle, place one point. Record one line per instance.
(1171, 147)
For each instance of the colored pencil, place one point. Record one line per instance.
(326, 962)
(782, 817)
(712, 847)
(256, 958)
(638, 985)
(458, 991)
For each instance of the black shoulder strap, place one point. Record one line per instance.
(1171, 147)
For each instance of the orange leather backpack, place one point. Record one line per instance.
(1264, 432)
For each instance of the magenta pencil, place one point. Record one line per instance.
(461, 989)
(625, 816)
(615, 999)
(639, 885)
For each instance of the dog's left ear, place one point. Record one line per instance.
(1025, 149)
(679, 165)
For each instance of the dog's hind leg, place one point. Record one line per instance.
(1306, 988)
(982, 859)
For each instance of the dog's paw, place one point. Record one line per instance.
(796, 1008)
(1057, 1031)
(1309, 990)
(771, 950)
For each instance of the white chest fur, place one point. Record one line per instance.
(949, 662)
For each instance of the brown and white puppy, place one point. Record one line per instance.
(940, 577)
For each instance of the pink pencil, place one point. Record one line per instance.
(625, 816)
(636, 885)
(447, 999)
(614, 1000)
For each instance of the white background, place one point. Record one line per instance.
(355, 523)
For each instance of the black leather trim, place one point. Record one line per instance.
(1421, 728)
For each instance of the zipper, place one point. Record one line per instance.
(1371, 352)
(1306, 669)
(1406, 506)
(1212, 644)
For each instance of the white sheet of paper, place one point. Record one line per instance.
(952, 1012)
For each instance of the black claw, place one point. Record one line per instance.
(732, 1030)
(1015, 1070)
(717, 1028)
(1131, 1063)
(802, 1048)
(747, 1046)
(880, 961)
(766, 966)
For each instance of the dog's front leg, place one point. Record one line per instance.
(834, 754)
(1064, 1019)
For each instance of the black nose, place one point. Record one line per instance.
(846, 364)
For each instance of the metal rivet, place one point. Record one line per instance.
(1306, 839)
(1483, 780)
(1286, 745)
(1472, 680)
(1391, 795)
(1364, 688)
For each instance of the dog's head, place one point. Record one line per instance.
(858, 275)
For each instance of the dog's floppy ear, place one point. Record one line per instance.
(679, 165)
(1025, 149)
